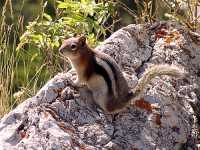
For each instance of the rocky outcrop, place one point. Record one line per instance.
(165, 118)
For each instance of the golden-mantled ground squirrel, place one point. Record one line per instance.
(103, 77)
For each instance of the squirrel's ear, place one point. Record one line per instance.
(82, 40)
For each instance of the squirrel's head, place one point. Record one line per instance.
(72, 47)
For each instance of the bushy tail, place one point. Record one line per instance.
(154, 71)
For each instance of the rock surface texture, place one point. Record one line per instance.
(165, 118)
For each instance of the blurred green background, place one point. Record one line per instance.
(32, 30)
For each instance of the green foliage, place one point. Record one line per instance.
(29, 58)
(74, 17)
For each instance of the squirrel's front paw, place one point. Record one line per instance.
(77, 84)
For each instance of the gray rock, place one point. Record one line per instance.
(166, 118)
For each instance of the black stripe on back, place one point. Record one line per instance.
(112, 68)
(100, 70)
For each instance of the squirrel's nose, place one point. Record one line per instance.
(61, 49)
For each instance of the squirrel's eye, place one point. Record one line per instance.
(73, 46)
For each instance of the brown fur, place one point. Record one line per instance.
(86, 60)
(104, 78)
